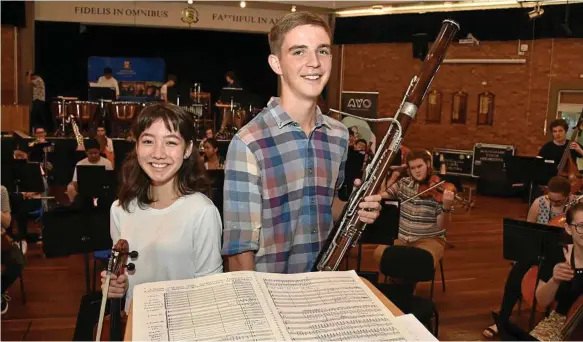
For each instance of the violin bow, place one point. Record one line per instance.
(422, 192)
(104, 293)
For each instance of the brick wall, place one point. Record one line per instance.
(522, 90)
(7, 66)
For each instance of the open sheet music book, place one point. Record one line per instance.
(254, 306)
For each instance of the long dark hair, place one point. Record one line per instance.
(191, 177)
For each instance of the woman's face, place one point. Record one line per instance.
(209, 150)
(575, 229)
(161, 152)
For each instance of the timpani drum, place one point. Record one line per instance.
(84, 111)
(125, 111)
(58, 109)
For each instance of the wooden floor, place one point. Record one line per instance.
(475, 273)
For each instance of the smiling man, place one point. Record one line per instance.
(283, 168)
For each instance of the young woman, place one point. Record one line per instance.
(562, 281)
(542, 210)
(211, 155)
(160, 212)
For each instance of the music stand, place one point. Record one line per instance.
(27, 176)
(96, 182)
(69, 231)
(532, 243)
(384, 231)
(531, 170)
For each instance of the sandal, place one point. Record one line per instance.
(492, 333)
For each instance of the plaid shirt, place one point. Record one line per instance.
(279, 188)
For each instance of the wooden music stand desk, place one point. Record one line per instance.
(392, 308)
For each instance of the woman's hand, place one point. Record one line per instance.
(562, 272)
(118, 286)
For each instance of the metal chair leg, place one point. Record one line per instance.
(442, 275)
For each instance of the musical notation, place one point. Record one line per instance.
(262, 306)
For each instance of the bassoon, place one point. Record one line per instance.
(349, 228)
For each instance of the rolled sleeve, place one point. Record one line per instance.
(242, 200)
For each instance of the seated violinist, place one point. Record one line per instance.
(422, 219)
(542, 210)
(561, 283)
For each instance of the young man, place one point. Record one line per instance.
(231, 80)
(93, 158)
(553, 150)
(284, 168)
(38, 112)
(164, 89)
(107, 80)
(102, 133)
(422, 219)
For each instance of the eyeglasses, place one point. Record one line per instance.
(578, 227)
(557, 202)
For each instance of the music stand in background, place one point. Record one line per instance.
(532, 243)
(529, 170)
(383, 231)
(70, 231)
(27, 176)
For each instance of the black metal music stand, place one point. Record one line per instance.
(72, 230)
(532, 243)
(384, 231)
(529, 170)
(27, 176)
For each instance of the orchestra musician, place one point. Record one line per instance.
(94, 158)
(553, 150)
(542, 211)
(284, 168)
(231, 79)
(422, 220)
(164, 89)
(161, 210)
(11, 268)
(562, 282)
(211, 155)
(107, 80)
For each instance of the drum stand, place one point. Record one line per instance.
(62, 130)
(228, 130)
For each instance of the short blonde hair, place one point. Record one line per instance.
(290, 21)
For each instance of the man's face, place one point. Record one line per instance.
(100, 131)
(304, 62)
(229, 80)
(171, 83)
(40, 133)
(93, 155)
(360, 146)
(418, 168)
(209, 133)
(559, 133)
(107, 76)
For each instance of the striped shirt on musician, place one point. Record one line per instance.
(418, 216)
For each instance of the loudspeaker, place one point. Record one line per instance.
(420, 45)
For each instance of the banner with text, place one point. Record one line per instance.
(160, 13)
(364, 104)
(139, 79)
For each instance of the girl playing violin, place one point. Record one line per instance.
(542, 210)
(160, 210)
(562, 282)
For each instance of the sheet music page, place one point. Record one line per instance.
(253, 306)
(222, 307)
(335, 306)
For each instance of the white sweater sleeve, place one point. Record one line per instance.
(207, 243)
(114, 230)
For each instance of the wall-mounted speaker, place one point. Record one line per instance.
(420, 45)
(13, 13)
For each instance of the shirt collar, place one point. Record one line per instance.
(283, 119)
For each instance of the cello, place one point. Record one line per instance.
(112, 326)
(567, 166)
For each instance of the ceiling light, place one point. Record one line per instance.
(293, 8)
(536, 12)
(190, 2)
(243, 4)
(430, 6)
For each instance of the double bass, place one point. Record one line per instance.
(567, 166)
(112, 326)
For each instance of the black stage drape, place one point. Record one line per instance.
(62, 50)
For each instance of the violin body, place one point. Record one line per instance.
(430, 190)
(573, 329)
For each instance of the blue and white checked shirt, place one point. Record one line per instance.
(279, 188)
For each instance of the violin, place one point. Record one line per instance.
(435, 189)
(112, 326)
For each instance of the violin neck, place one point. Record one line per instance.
(115, 331)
